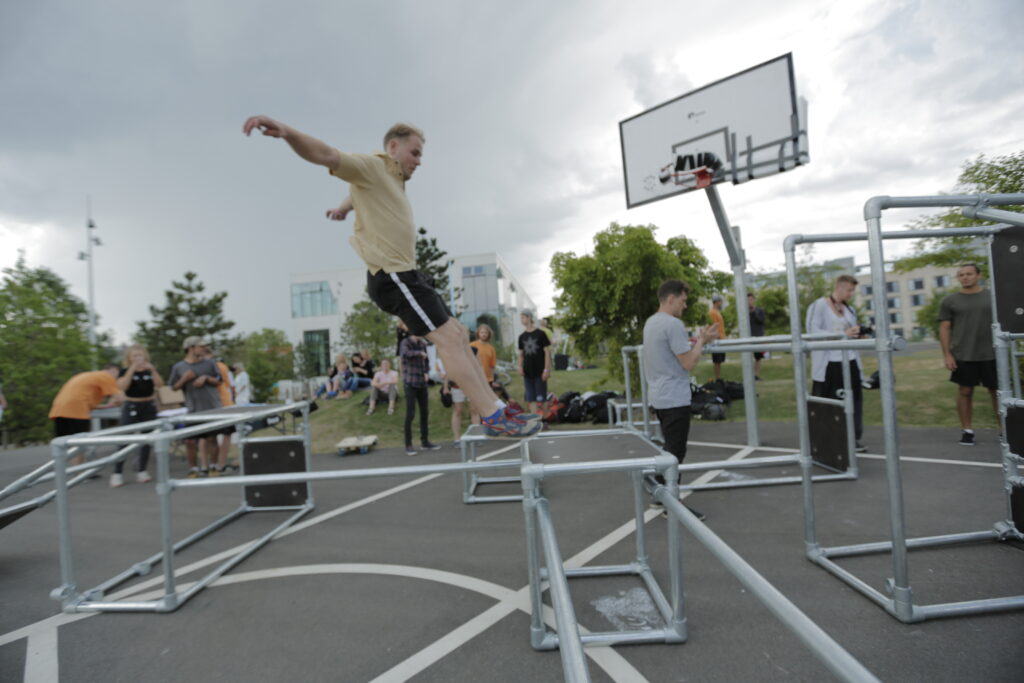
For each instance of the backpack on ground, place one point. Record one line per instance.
(596, 407)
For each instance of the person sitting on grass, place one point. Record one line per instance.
(384, 387)
(344, 381)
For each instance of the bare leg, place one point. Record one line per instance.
(963, 406)
(191, 446)
(718, 371)
(995, 405)
(456, 421)
(452, 342)
(222, 451)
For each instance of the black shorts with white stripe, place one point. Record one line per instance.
(411, 296)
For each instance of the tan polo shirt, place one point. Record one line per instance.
(384, 235)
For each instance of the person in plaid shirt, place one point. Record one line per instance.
(415, 366)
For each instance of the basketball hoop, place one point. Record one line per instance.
(703, 177)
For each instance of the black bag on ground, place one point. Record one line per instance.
(596, 407)
(573, 411)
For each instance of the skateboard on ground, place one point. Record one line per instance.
(360, 444)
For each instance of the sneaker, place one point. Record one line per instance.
(409, 450)
(521, 413)
(143, 477)
(696, 513)
(967, 439)
(427, 446)
(116, 480)
(860, 447)
(192, 474)
(203, 473)
(512, 423)
(215, 472)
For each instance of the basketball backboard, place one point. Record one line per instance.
(748, 125)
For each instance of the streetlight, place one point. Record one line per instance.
(87, 257)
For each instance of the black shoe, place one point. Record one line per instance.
(427, 446)
(860, 447)
(696, 513)
(967, 439)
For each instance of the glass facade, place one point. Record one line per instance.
(310, 299)
(319, 344)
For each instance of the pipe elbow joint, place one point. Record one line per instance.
(873, 207)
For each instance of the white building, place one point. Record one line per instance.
(487, 292)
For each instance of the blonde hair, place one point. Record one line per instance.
(129, 350)
(402, 131)
(485, 326)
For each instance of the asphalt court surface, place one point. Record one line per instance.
(395, 578)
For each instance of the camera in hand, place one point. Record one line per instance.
(867, 331)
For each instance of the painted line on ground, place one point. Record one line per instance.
(41, 662)
(936, 461)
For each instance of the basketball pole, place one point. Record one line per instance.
(738, 260)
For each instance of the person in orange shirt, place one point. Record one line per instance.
(718, 321)
(226, 389)
(488, 358)
(74, 403)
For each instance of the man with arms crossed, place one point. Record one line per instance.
(668, 360)
(965, 334)
(385, 238)
(197, 376)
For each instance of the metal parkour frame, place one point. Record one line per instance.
(540, 529)
(841, 462)
(159, 434)
(543, 459)
(899, 601)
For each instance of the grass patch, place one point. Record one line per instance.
(924, 398)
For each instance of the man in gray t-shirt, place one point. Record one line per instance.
(668, 359)
(197, 376)
(965, 335)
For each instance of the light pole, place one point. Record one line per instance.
(87, 257)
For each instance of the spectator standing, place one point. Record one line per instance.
(243, 387)
(756, 330)
(226, 390)
(72, 407)
(545, 326)
(488, 358)
(415, 366)
(196, 375)
(139, 381)
(669, 359)
(534, 362)
(384, 387)
(833, 313)
(719, 322)
(965, 335)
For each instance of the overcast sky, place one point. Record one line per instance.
(140, 105)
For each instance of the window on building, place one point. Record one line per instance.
(893, 302)
(892, 287)
(916, 285)
(865, 290)
(898, 331)
(895, 317)
(467, 270)
(311, 299)
(478, 270)
(868, 304)
(318, 346)
(917, 299)
(942, 280)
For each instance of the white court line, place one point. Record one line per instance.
(603, 656)
(938, 461)
(41, 663)
(608, 660)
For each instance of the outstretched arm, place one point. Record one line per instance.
(306, 146)
(339, 213)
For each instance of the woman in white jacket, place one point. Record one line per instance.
(833, 314)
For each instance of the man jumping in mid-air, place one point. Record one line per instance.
(385, 238)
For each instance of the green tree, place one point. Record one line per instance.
(186, 312)
(928, 315)
(368, 327)
(43, 342)
(267, 355)
(1000, 175)
(605, 297)
(433, 261)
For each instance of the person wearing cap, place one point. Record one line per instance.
(72, 407)
(196, 375)
(719, 322)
